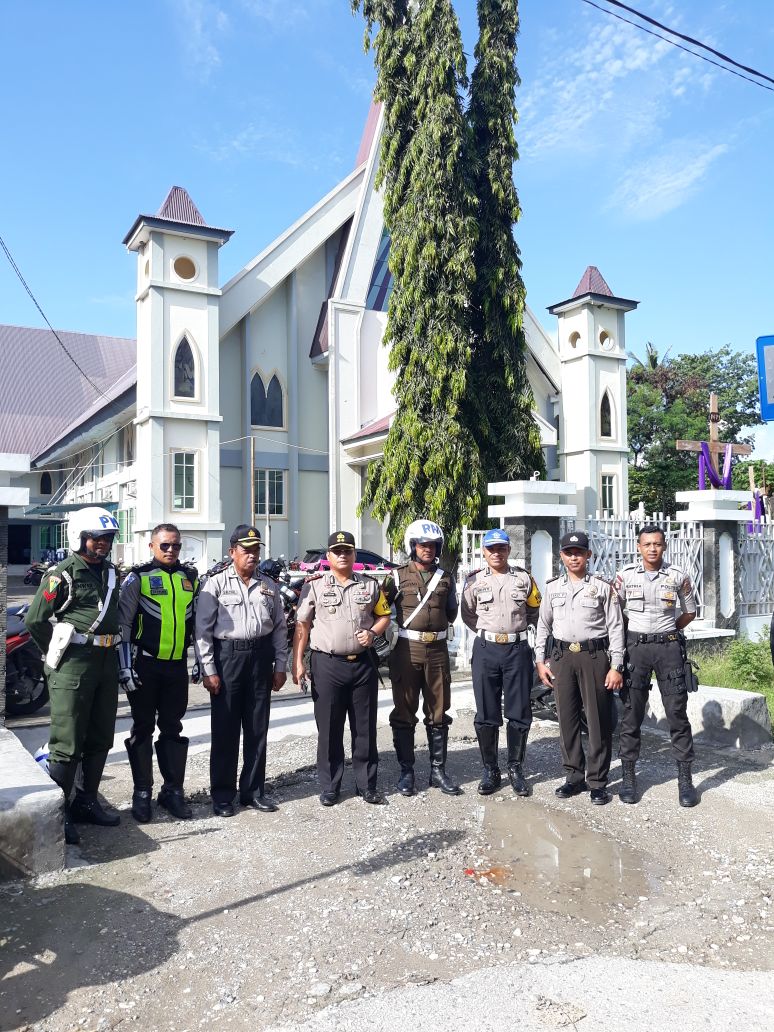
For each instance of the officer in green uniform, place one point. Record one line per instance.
(156, 608)
(81, 595)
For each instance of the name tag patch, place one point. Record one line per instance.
(157, 586)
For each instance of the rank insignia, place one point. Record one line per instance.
(186, 584)
(592, 591)
(49, 592)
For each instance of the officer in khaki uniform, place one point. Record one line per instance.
(583, 614)
(659, 602)
(156, 607)
(498, 604)
(425, 600)
(81, 595)
(242, 646)
(340, 613)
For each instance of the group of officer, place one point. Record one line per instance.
(590, 638)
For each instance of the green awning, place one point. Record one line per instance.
(63, 510)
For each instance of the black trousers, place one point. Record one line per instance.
(666, 660)
(342, 690)
(162, 698)
(242, 704)
(502, 682)
(580, 685)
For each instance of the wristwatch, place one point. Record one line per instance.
(619, 668)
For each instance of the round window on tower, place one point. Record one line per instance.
(606, 341)
(574, 338)
(184, 267)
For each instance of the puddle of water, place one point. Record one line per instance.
(559, 865)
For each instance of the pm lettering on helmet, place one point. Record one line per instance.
(108, 521)
(431, 528)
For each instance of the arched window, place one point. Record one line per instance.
(185, 371)
(266, 405)
(45, 483)
(605, 417)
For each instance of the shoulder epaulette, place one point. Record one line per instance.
(474, 573)
(141, 567)
(190, 571)
(314, 577)
(598, 576)
(552, 579)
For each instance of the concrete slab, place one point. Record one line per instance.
(31, 826)
(723, 716)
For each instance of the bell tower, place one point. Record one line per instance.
(593, 443)
(178, 366)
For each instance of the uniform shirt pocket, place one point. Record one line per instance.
(557, 600)
(590, 603)
(635, 605)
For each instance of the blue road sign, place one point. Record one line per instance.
(765, 348)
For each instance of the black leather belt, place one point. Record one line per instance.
(642, 639)
(244, 644)
(592, 645)
(349, 658)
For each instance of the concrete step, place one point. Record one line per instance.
(31, 825)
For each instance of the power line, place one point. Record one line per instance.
(679, 46)
(23, 282)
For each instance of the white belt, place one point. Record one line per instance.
(425, 636)
(503, 639)
(103, 641)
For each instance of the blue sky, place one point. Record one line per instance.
(635, 157)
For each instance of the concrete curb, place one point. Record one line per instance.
(31, 825)
(724, 716)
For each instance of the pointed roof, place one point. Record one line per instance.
(593, 289)
(177, 212)
(592, 282)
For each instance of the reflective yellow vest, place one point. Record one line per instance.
(165, 616)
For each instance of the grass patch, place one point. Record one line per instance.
(744, 664)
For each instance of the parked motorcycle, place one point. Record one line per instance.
(37, 572)
(26, 690)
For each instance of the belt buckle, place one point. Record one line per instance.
(501, 639)
(427, 636)
(351, 658)
(574, 646)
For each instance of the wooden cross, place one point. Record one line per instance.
(715, 446)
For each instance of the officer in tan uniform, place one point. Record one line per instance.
(583, 614)
(659, 602)
(341, 612)
(425, 600)
(498, 604)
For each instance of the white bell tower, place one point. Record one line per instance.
(593, 443)
(178, 363)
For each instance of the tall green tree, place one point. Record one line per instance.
(454, 324)
(431, 463)
(500, 398)
(668, 399)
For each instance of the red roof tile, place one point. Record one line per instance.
(376, 426)
(178, 207)
(592, 282)
(367, 139)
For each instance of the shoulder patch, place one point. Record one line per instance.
(50, 590)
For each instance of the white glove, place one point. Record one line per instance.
(128, 680)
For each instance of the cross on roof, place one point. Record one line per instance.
(710, 450)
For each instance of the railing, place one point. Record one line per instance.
(756, 570)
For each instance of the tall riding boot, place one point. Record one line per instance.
(63, 774)
(687, 794)
(141, 762)
(628, 790)
(438, 740)
(517, 747)
(86, 807)
(172, 754)
(403, 737)
(488, 739)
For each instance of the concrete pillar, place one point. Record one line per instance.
(3, 603)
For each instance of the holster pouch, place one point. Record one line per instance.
(691, 680)
(60, 639)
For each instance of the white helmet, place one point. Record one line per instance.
(423, 532)
(90, 522)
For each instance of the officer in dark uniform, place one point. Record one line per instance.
(652, 593)
(425, 600)
(242, 644)
(498, 604)
(583, 614)
(81, 650)
(341, 612)
(156, 608)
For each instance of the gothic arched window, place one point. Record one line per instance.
(45, 483)
(266, 408)
(185, 371)
(605, 417)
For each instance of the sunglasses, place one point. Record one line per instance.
(343, 551)
(170, 546)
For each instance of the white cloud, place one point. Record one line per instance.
(284, 14)
(268, 140)
(360, 85)
(664, 181)
(202, 22)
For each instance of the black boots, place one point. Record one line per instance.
(63, 774)
(86, 807)
(403, 738)
(171, 754)
(517, 747)
(141, 762)
(628, 791)
(686, 793)
(491, 779)
(438, 740)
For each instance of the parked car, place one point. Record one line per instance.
(314, 559)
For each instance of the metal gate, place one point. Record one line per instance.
(756, 570)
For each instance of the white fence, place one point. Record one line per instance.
(756, 570)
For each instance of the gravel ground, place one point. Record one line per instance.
(269, 920)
